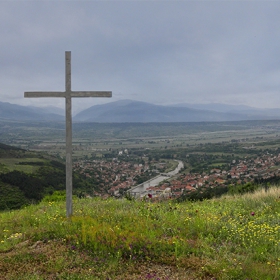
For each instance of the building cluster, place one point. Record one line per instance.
(110, 176)
(113, 177)
(239, 172)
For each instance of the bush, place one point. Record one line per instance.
(11, 197)
(56, 196)
(241, 189)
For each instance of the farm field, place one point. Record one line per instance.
(233, 237)
(99, 141)
(94, 136)
(28, 165)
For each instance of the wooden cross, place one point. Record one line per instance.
(68, 94)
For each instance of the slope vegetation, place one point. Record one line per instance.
(26, 177)
(234, 237)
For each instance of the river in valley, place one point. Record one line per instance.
(140, 190)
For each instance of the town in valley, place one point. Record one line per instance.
(116, 158)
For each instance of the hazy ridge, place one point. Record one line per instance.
(136, 111)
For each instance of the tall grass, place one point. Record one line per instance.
(233, 237)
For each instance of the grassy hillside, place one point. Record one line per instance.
(26, 177)
(234, 237)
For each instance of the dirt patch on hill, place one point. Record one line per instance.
(57, 260)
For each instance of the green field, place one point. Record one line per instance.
(28, 165)
(89, 137)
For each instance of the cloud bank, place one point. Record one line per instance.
(163, 52)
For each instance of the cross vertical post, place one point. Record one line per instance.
(68, 119)
(68, 94)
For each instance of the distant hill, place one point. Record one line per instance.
(236, 109)
(135, 111)
(218, 107)
(17, 112)
(128, 111)
(48, 110)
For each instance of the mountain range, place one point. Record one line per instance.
(10, 111)
(136, 111)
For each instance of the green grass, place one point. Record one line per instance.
(11, 164)
(234, 237)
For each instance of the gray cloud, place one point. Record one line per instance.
(156, 51)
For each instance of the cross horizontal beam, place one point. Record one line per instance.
(68, 94)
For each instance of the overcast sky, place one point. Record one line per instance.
(162, 52)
